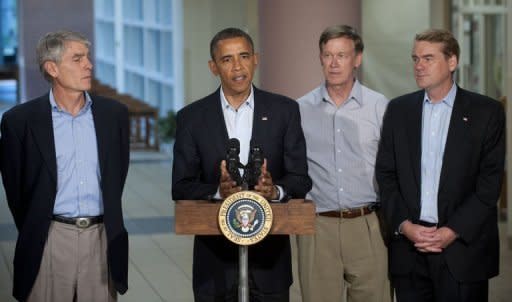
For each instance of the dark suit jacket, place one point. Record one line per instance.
(29, 173)
(469, 185)
(200, 146)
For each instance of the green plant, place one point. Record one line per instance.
(167, 126)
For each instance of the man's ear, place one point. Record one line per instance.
(51, 68)
(359, 59)
(452, 63)
(256, 59)
(213, 67)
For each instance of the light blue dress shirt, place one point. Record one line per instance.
(78, 171)
(435, 124)
(342, 144)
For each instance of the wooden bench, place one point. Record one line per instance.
(143, 117)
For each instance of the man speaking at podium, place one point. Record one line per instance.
(255, 118)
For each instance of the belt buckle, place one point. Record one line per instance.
(83, 222)
(345, 212)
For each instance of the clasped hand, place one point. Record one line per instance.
(428, 239)
(265, 186)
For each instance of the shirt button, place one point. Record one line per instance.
(339, 170)
(339, 151)
(81, 182)
(341, 189)
(338, 130)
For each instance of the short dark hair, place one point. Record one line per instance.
(229, 33)
(445, 37)
(341, 31)
(51, 47)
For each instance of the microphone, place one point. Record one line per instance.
(233, 160)
(253, 167)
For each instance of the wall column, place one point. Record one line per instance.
(289, 33)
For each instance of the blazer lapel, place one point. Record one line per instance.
(215, 124)
(259, 120)
(414, 135)
(42, 129)
(456, 138)
(102, 127)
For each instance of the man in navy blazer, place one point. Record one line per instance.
(439, 168)
(64, 160)
(256, 118)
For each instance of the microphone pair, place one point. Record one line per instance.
(252, 170)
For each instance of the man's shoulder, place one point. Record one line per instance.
(28, 108)
(477, 99)
(407, 99)
(371, 95)
(310, 98)
(200, 105)
(274, 98)
(108, 103)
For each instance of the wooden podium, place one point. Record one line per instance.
(199, 217)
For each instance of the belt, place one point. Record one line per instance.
(349, 213)
(81, 222)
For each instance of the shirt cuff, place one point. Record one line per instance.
(281, 193)
(217, 195)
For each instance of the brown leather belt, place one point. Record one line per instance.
(348, 213)
(81, 222)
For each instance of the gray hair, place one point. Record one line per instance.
(341, 31)
(51, 46)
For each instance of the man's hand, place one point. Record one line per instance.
(265, 186)
(428, 239)
(445, 236)
(227, 186)
(423, 237)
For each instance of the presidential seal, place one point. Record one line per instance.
(245, 218)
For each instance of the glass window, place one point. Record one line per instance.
(134, 48)
(132, 10)
(133, 45)
(153, 53)
(134, 85)
(166, 54)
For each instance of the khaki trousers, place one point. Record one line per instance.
(345, 260)
(74, 266)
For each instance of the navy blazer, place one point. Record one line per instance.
(29, 173)
(200, 146)
(469, 185)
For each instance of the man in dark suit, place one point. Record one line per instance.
(439, 168)
(255, 117)
(64, 160)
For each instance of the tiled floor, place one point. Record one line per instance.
(161, 261)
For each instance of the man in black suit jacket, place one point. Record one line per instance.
(49, 178)
(255, 117)
(439, 168)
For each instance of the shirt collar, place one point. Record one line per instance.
(449, 99)
(55, 107)
(356, 93)
(248, 102)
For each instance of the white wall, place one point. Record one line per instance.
(202, 20)
(388, 29)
